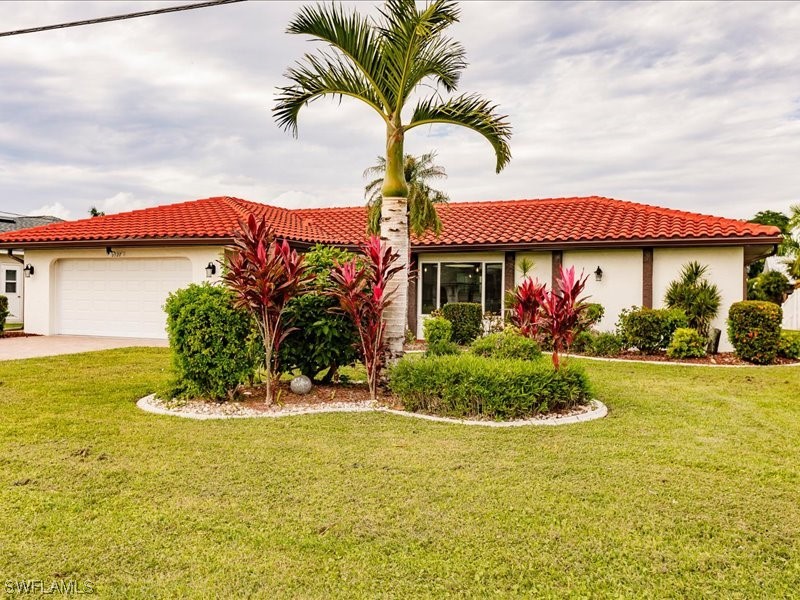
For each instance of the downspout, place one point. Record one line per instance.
(16, 258)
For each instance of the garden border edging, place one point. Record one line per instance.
(598, 411)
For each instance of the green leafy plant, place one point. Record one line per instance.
(442, 348)
(694, 295)
(592, 315)
(687, 343)
(649, 330)
(506, 344)
(754, 328)
(466, 318)
(770, 286)
(474, 386)
(4, 312)
(789, 345)
(605, 344)
(214, 345)
(437, 329)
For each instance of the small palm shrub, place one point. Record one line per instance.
(695, 296)
(473, 386)
(467, 320)
(687, 343)
(215, 346)
(507, 344)
(789, 345)
(649, 330)
(754, 328)
(437, 329)
(442, 348)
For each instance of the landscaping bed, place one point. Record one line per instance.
(15, 334)
(723, 358)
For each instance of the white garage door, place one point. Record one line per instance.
(121, 297)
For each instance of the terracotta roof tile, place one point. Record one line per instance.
(547, 221)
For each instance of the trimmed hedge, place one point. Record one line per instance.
(474, 386)
(4, 312)
(789, 345)
(437, 329)
(687, 343)
(649, 330)
(214, 346)
(507, 344)
(754, 328)
(467, 320)
(442, 348)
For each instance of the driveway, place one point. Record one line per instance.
(52, 345)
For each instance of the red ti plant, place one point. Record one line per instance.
(361, 290)
(264, 275)
(526, 307)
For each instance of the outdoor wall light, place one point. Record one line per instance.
(109, 250)
(211, 269)
(598, 274)
(28, 270)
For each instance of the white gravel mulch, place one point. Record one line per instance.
(202, 410)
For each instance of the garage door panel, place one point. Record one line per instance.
(117, 297)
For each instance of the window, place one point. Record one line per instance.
(444, 282)
(11, 281)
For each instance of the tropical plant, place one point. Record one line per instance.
(363, 293)
(4, 312)
(526, 303)
(694, 295)
(265, 275)
(383, 62)
(770, 286)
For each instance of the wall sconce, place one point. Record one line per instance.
(598, 274)
(109, 250)
(211, 269)
(28, 270)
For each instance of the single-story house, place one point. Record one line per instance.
(11, 261)
(110, 275)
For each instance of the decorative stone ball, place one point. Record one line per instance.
(301, 385)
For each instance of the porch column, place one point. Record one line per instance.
(647, 277)
(413, 275)
(556, 261)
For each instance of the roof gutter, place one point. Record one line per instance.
(16, 258)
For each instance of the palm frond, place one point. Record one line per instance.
(470, 111)
(317, 75)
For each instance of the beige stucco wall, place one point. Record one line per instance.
(542, 266)
(621, 285)
(726, 270)
(40, 289)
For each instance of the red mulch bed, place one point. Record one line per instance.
(723, 358)
(416, 345)
(14, 334)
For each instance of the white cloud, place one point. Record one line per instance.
(52, 210)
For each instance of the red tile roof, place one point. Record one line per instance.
(507, 222)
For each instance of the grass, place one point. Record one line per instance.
(688, 489)
(13, 326)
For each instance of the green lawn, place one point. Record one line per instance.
(689, 488)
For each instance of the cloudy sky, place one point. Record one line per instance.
(690, 105)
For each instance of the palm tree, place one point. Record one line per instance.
(383, 62)
(791, 244)
(422, 198)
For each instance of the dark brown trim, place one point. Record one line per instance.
(510, 267)
(556, 260)
(413, 275)
(647, 277)
(15, 258)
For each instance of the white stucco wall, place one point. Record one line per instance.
(40, 289)
(726, 270)
(621, 285)
(542, 266)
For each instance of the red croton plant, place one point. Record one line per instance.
(551, 315)
(361, 290)
(264, 275)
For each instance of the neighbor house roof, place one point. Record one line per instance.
(11, 222)
(507, 223)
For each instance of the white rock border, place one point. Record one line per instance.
(670, 363)
(599, 410)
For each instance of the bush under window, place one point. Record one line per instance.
(437, 329)
(754, 328)
(467, 320)
(649, 330)
(215, 346)
(474, 386)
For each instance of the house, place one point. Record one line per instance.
(11, 262)
(110, 275)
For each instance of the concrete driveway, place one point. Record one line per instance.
(52, 345)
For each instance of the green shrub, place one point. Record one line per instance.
(437, 329)
(442, 348)
(214, 346)
(605, 344)
(322, 339)
(789, 344)
(321, 259)
(754, 328)
(694, 295)
(466, 318)
(507, 344)
(4, 312)
(474, 386)
(593, 315)
(771, 286)
(582, 343)
(687, 343)
(649, 330)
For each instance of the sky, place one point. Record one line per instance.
(693, 106)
